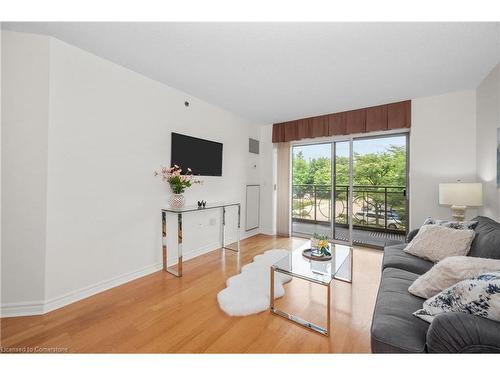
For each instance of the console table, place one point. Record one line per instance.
(186, 209)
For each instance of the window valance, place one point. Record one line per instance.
(381, 117)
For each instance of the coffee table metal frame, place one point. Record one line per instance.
(296, 319)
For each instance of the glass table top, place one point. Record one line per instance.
(195, 207)
(316, 271)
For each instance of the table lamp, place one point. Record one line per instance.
(459, 196)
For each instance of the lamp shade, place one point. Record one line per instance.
(461, 194)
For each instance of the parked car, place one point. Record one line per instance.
(370, 218)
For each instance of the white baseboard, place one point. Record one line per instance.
(172, 256)
(268, 231)
(21, 309)
(77, 295)
(43, 307)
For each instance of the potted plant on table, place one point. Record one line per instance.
(320, 246)
(178, 183)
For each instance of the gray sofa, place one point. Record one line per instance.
(394, 328)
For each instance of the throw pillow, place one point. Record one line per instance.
(435, 242)
(450, 271)
(451, 224)
(479, 296)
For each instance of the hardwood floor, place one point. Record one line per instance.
(162, 313)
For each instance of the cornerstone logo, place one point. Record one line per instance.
(33, 349)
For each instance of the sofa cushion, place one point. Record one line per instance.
(394, 328)
(460, 225)
(486, 243)
(436, 242)
(477, 296)
(450, 271)
(395, 257)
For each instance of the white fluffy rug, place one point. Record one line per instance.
(248, 292)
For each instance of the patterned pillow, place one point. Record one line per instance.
(451, 224)
(478, 296)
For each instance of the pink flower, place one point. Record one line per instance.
(177, 181)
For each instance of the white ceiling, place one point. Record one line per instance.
(272, 72)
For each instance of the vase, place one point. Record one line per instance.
(314, 243)
(177, 201)
(315, 250)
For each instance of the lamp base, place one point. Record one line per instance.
(458, 212)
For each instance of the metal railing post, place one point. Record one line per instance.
(347, 205)
(330, 208)
(385, 207)
(315, 204)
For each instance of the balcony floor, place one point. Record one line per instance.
(362, 237)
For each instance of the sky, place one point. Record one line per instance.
(362, 146)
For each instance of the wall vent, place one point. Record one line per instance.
(253, 146)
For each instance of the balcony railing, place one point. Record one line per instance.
(375, 208)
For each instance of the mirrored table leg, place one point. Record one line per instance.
(223, 221)
(171, 270)
(239, 226)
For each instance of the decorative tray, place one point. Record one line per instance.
(307, 254)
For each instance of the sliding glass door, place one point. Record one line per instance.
(354, 191)
(311, 189)
(379, 190)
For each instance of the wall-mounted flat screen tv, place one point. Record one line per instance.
(204, 157)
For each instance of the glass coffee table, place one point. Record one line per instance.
(318, 272)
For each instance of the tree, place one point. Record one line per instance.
(382, 168)
(300, 169)
(321, 171)
(387, 168)
(342, 170)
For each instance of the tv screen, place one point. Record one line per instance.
(202, 156)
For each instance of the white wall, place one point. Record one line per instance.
(108, 129)
(25, 88)
(488, 121)
(442, 149)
